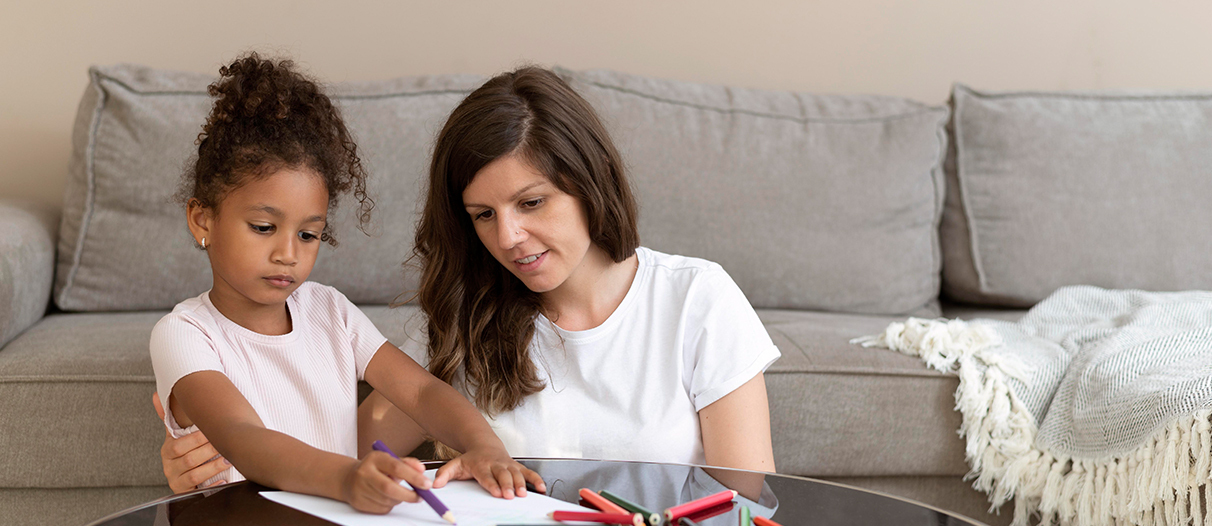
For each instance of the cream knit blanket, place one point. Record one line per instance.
(1093, 409)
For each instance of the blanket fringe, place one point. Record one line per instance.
(1158, 483)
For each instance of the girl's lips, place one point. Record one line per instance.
(528, 267)
(279, 281)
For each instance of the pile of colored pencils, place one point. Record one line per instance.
(613, 509)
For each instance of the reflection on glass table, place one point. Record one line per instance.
(787, 500)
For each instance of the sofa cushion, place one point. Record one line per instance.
(1054, 189)
(809, 201)
(123, 243)
(78, 388)
(77, 391)
(27, 265)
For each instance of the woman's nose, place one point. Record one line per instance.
(510, 232)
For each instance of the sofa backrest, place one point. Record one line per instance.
(1054, 189)
(123, 242)
(820, 202)
(808, 201)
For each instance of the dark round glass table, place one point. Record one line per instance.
(787, 500)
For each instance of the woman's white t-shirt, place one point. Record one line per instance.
(630, 389)
(303, 383)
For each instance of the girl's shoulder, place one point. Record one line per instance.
(191, 321)
(192, 311)
(312, 292)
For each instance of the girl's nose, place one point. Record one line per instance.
(286, 253)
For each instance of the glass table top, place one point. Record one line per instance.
(787, 500)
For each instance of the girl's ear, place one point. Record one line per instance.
(200, 220)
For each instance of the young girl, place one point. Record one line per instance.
(267, 363)
(543, 309)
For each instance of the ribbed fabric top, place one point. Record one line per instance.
(303, 383)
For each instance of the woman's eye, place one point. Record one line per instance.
(532, 203)
(487, 214)
(262, 229)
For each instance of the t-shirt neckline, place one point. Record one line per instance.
(232, 327)
(620, 312)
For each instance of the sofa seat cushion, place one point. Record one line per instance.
(841, 410)
(77, 389)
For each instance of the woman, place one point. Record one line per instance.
(544, 311)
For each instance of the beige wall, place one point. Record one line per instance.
(913, 48)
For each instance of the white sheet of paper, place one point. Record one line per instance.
(471, 504)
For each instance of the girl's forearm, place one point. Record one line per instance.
(454, 421)
(278, 460)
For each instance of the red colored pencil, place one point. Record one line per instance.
(702, 515)
(763, 521)
(605, 518)
(682, 510)
(601, 502)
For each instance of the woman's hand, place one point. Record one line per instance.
(493, 468)
(373, 484)
(190, 460)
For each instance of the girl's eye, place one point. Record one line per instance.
(308, 236)
(261, 229)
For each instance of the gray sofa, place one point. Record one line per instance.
(835, 214)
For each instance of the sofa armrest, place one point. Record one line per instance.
(27, 266)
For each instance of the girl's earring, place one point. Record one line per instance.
(203, 243)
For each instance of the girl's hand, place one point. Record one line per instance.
(190, 460)
(373, 484)
(501, 475)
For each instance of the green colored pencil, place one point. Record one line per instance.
(745, 520)
(654, 519)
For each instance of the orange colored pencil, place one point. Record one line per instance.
(601, 502)
(682, 510)
(763, 521)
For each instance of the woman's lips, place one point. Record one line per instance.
(532, 265)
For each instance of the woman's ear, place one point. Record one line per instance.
(200, 220)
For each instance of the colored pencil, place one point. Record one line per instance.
(745, 520)
(685, 521)
(763, 521)
(425, 494)
(702, 515)
(653, 518)
(600, 502)
(682, 510)
(633, 519)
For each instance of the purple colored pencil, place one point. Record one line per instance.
(425, 494)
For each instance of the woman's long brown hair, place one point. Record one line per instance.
(480, 316)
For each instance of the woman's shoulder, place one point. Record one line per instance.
(684, 280)
(680, 271)
(673, 263)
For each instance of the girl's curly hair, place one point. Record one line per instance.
(267, 117)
